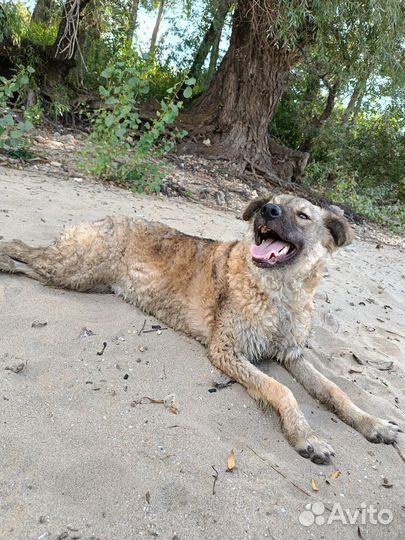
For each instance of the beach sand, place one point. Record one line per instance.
(81, 459)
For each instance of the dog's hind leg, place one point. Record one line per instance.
(374, 429)
(269, 391)
(85, 258)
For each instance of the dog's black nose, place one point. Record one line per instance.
(270, 211)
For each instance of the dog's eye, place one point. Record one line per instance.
(302, 215)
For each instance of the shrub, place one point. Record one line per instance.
(15, 121)
(121, 147)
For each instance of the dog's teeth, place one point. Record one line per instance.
(283, 251)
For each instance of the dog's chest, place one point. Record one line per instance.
(280, 330)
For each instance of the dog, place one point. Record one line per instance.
(246, 300)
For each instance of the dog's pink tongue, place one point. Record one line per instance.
(267, 248)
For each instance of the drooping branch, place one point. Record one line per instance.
(66, 42)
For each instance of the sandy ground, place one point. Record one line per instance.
(80, 460)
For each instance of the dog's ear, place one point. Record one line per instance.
(253, 206)
(340, 232)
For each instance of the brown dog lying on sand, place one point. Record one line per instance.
(247, 300)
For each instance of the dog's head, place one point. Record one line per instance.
(289, 230)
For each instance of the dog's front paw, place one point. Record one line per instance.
(377, 430)
(315, 449)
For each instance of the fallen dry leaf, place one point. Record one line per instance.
(231, 461)
(334, 475)
(314, 485)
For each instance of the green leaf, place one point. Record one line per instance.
(120, 132)
(24, 80)
(15, 134)
(109, 120)
(187, 93)
(133, 82)
(112, 101)
(107, 72)
(103, 91)
(190, 82)
(30, 70)
(124, 110)
(27, 126)
(7, 120)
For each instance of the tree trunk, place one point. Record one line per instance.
(214, 56)
(132, 20)
(210, 39)
(352, 102)
(156, 28)
(43, 11)
(354, 105)
(238, 106)
(317, 122)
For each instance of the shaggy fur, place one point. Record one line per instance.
(219, 294)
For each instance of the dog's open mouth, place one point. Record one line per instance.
(270, 249)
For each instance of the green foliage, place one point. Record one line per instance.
(121, 147)
(373, 149)
(14, 21)
(363, 166)
(15, 122)
(16, 24)
(349, 32)
(60, 100)
(354, 47)
(380, 204)
(161, 78)
(41, 33)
